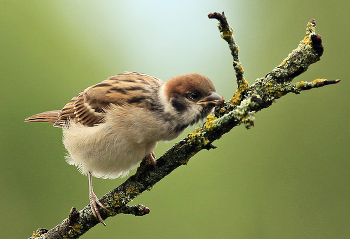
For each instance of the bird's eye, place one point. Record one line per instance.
(193, 95)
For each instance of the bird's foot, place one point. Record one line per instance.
(151, 158)
(146, 161)
(93, 204)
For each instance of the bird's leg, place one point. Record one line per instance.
(94, 201)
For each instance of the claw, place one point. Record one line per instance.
(152, 160)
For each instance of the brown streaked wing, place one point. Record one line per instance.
(89, 106)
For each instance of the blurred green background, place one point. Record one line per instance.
(288, 177)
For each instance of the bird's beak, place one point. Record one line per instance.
(212, 100)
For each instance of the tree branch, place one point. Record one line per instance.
(241, 108)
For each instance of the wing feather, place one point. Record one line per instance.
(89, 106)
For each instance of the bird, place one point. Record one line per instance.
(110, 127)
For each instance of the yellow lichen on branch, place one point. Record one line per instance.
(210, 122)
(241, 88)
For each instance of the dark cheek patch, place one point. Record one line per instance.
(178, 105)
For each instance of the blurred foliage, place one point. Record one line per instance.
(288, 177)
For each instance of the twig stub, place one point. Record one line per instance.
(220, 17)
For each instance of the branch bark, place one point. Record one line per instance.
(240, 109)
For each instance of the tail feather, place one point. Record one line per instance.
(48, 116)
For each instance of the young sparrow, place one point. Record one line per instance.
(110, 127)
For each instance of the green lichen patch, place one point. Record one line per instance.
(76, 227)
(131, 190)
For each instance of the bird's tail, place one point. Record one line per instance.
(48, 116)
